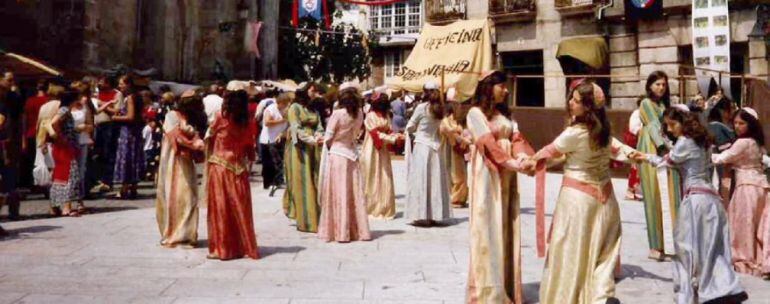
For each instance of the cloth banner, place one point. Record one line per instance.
(711, 42)
(311, 8)
(463, 50)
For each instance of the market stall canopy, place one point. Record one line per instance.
(461, 51)
(589, 51)
(25, 67)
(287, 85)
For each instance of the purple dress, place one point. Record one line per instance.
(129, 159)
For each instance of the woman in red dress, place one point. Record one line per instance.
(230, 223)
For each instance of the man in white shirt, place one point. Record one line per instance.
(212, 103)
(274, 124)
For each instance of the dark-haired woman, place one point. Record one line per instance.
(65, 187)
(302, 163)
(652, 141)
(719, 121)
(230, 224)
(494, 274)
(83, 113)
(375, 160)
(427, 199)
(176, 203)
(129, 158)
(585, 232)
(703, 271)
(343, 215)
(748, 206)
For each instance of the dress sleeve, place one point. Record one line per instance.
(681, 151)
(736, 151)
(447, 131)
(418, 114)
(620, 151)
(651, 120)
(331, 127)
(484, 140)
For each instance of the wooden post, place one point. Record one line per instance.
(442, 91)
(515, 88)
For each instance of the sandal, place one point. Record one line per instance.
(81, 208)
(212, 256)
(55, 211)
(72, 213)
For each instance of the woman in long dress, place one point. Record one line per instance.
(749, 200)
(343, 215)
(454, 146)
(719, 121)
(176, 203)
(65, 187)
(651, 141)
(302, 162)
(495, 260)
(230, 222)
(703, 269)
(129, 158)
(375, 160)
(427, 198)
(585, 230)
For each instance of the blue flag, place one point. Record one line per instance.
(310, 8)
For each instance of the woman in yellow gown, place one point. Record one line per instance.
(585, 232)
(499, 150)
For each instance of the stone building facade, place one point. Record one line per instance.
(527, 34)
(185, 40)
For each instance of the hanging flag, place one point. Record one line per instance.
(711, 43)
(643, 9)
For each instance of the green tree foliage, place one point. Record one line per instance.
(340, 53)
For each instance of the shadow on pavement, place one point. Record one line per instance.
(633, 271)
(376, 234)
(268, 251)
(16, 233)
(531, 292)
(529, 210)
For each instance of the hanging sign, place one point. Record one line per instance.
(462, 50)
(711, 42)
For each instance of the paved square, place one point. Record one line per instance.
(114, 257)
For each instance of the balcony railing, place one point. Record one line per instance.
(577, 7)
(512, 9)
(444, 11)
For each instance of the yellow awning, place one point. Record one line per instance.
(590, 50)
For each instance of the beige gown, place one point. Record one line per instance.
(376, 167)
(585, 231)
(495, 261)
(453, 150)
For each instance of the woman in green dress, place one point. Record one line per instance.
(302, 161)
(652, 141)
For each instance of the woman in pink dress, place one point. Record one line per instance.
(745, 211)
(230, 223)
(343, 207)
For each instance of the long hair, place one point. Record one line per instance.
(691, 126)
(68, 97)
(594, 118)
(754, 127)
(381, 105)
(655, 76)
(435, 107)
(723, 105)
(131, 90)
(192, 108)
(236, 107)
(484, 96)
(351, 102)
(84, 91)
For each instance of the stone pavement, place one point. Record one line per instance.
(114, 257)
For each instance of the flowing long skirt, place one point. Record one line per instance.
(343, 216)
(495, 267)
(378, 177)
(703, 268)
(66, 176)
(300, 200)
(129, 158)
(458, 192)
(583, 251)
(428, 194)
(176, 203)
(744, 214)
(230, 223)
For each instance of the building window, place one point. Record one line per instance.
(392, 62)
(398, 18)
(530, 92)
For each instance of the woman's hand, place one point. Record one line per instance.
(638, 156)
